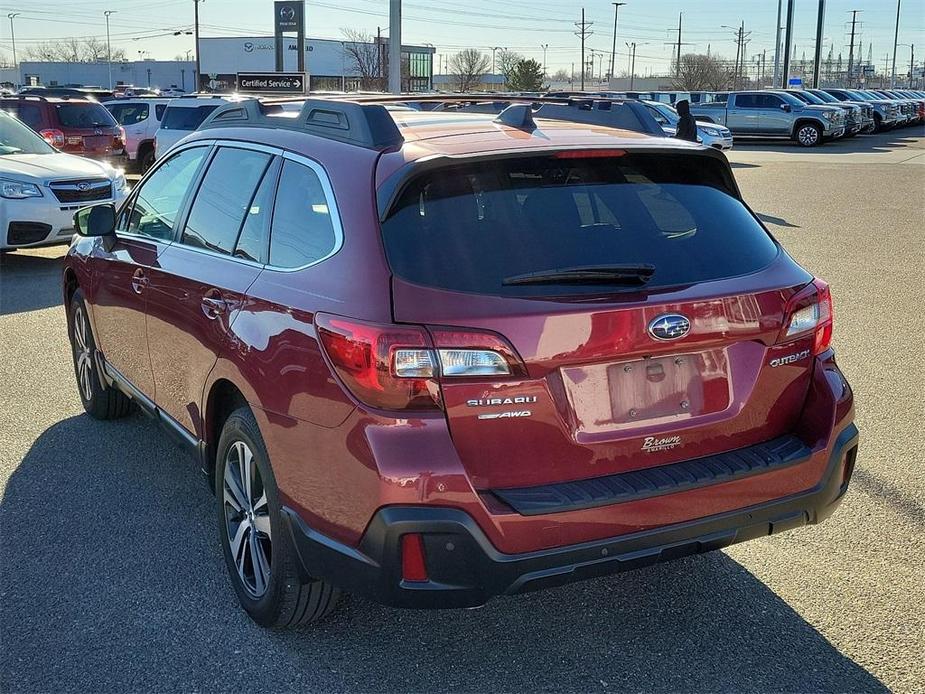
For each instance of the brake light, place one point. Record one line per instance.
(811, 310)
(53, 137)
(398, 367)
(120, 136)
(384, 366)
(589, 153)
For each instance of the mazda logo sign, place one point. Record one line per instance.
(287, 14)
(248, 47)
(669, 326)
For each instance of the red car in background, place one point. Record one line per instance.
(75, 126)
(434, 357)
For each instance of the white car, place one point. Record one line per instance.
(140, 118)
(171, 92)
(183, 115)
(41, 188)
(709, 134)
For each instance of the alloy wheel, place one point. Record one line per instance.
(82, 357)
(808, 135)
(247, 519)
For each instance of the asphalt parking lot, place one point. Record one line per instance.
(111, 578)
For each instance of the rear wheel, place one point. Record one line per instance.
(99, 400)
(146, 159)
(809, 135)
(262, 562)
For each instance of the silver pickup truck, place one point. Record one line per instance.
(774, 114)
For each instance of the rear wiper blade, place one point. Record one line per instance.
(591, 274)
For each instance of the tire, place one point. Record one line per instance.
(262, 563)
(808, 135)
(146, 160)
(99, 400)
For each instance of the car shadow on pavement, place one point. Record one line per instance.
(29, 282)
(777, 221)
(111, 580)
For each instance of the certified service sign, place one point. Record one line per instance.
(271, 82)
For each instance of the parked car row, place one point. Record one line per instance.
(813, 116)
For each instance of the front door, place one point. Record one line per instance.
(198, 290)
(144, 231)
(774, 120)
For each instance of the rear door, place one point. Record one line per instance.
(742, 114)
(197, 291)
(619, 373)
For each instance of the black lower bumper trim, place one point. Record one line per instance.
(465, 569)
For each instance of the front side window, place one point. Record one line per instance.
(161, 197)
(303, 229)
(224, 199)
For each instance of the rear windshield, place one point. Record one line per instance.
(186, 117)
(85, 115)
(470, 227)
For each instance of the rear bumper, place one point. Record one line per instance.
(465, 569)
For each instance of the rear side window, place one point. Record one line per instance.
(303, 230)
(129, 114)
(84, 115)
(224, 198)
(469, 228)
(30, 114)
(159, 111)
(186, 117)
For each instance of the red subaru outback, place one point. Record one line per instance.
(431, 357)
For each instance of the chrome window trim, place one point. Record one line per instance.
(319, 171)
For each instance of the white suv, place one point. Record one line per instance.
(41, 188)
(183, 115)
(140, 118)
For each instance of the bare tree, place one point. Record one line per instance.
(702, 72)
(561, 75)
(72, 50)
(468, 67)
(505, 62)
(366, 57)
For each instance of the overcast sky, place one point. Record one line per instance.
(521, 25)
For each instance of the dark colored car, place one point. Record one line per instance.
(75, 126)
(89, 93)
(434, 358)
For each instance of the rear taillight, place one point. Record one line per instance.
(810, 311)
(120, 135)
(53, 137)
(398, 367)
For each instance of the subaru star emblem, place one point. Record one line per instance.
(97, 132)
(670, 326)
(83, 185)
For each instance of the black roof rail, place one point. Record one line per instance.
(365, 125)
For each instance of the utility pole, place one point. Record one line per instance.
(735, 71)
(544, 47)
(678, 50)
(395, 46)
(13, 39)
(895, 39)
(108, 46)
(198, 78)
(493, 51)
(583, 33)
(776, 82)
(632, 47)
(854, 16)
(788, 40)
(613, 48)
(820, 21)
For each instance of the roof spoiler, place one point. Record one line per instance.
(364, 125)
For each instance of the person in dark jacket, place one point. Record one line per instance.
(687, 127)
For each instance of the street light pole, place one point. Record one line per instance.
(544, 46)
(895, 39)
(632, 47)
(109, 46)
(493, 51)
(13, 37)
(613, 48)
(197, 79)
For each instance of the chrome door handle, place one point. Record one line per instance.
(139, 281)
(213, 306)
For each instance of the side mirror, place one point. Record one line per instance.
(785, 108)
(99, 220)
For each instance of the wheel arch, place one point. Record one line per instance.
(223, 398)
(807, 121)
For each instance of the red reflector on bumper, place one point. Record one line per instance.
(413, 566)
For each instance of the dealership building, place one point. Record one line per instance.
(140, 73)
(328, 63)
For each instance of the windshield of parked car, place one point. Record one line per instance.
(186, 117)
(473, 226)
(825, 96)
(84, 115)
(808, 97)
(16, 138)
